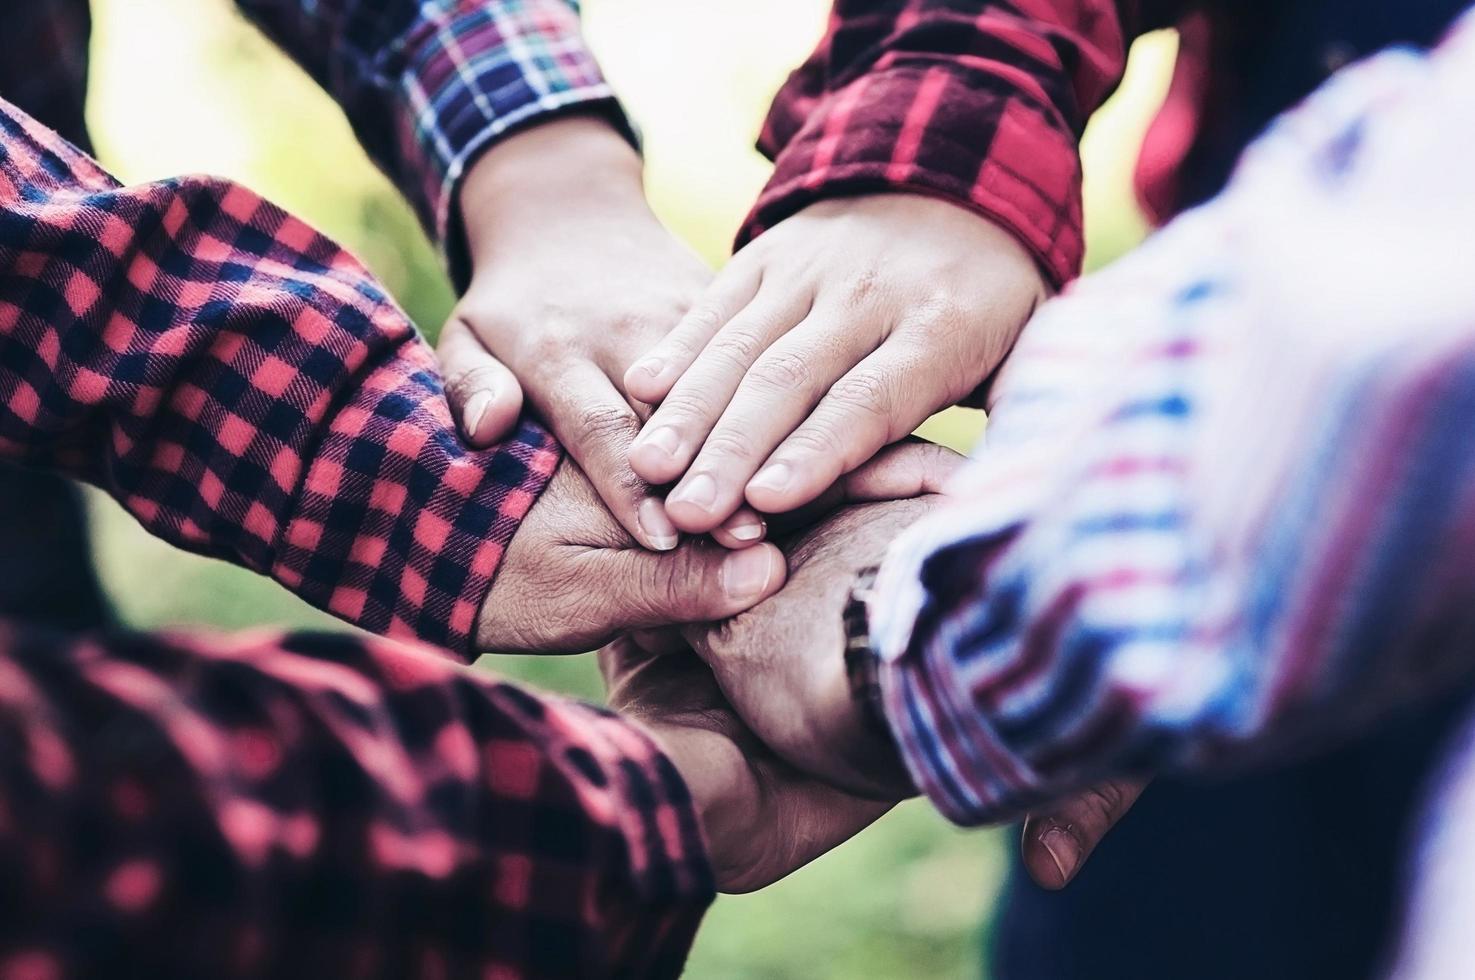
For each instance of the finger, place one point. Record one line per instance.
(596, 425)
(650, 378)
(783, 386)
(911, 468)
(696, 583)
(878, 402)
(484, 395)
(742, 530)
(905, 470)
(1057, 843)
(670, 440)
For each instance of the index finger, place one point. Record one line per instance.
(596, 425)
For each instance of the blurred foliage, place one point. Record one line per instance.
(187, 86)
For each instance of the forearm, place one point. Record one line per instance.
(246, 390)
(577, 168)
(429, 87)
(265, 806)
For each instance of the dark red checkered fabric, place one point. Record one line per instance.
(267, 806)
(982, 103)
(244, 387)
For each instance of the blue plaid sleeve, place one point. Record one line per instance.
(430, 84)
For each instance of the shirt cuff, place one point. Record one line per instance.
(398, 528)
(944, 736)
(967, 137)
(476, 77)
(656, 872)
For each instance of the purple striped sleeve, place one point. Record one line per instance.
(1225, 507)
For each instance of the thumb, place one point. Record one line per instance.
(698, 582)
(1058, 841)
(484, 395)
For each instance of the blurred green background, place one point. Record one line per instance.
(186, 86)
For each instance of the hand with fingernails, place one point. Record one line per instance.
(831, 335)
(572, 278)
(573, 578)
(780, 664)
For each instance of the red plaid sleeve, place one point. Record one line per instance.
(265, 806)
(245, 388)
(981, 103)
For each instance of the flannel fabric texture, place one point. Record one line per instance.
(185, 806)
(297, 806)
(1222, 507)
(983, 103)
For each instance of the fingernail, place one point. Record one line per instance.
(776, 478)
(652, 366)
(657, 527)
(746, 531)
(476, 410)
(665, 439)
(1063, 850)
(699, 491)
(746, 574)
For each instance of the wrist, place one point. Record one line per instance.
(857, 707)
(724, 789)
(560, 170)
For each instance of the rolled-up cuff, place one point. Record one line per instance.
(967, 137)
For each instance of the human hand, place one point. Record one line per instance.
(573, 277)
(1057, 840)
(572, 578)
(781, 663)
(831, 335)
(761, 818)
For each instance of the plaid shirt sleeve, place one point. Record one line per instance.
(982, 103)
(245, 388)
(429, 85)
(1183, 545)
(269, 806)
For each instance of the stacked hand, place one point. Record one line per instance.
(830, 337)
(781, 667)
(573, 277)
(835, 333)
(762, 817)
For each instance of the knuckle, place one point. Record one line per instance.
(603, 423)
(703, 318)
(784, 371)
(817, 439)
(863, 287)
(685, 404)
(624, 483)
(864, 390)
(737, 348)
(1109, 797)
(730, 443)
(671, 586)
(462, 383)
